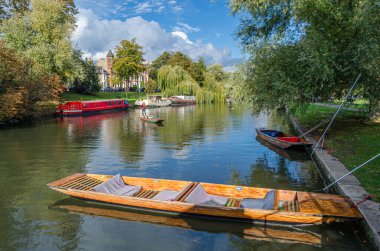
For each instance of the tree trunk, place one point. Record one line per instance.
(374, 107)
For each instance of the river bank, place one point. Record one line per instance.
(352, 149)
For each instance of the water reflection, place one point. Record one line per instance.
(242, 230)
(198, 143)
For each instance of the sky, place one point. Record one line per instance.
(198, 28)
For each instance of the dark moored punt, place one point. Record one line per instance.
(74, 108)
(244, 230)
(152, 119)
(280, 139)
(214, 200)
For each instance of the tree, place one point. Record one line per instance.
(129, 60)
(301, 50)
(197, 71)
(180, 59)
(23, 91)
(217, 71)
(150, 86)
(88, 82)
(162, 60)
(43, 36)
(9, 8)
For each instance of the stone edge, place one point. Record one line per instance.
(350, 186)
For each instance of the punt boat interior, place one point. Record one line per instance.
(210, 200)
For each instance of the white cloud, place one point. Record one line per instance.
(95, 36)
(185, 28)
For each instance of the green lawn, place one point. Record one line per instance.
(131, 96)
(352, 139)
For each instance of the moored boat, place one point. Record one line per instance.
(155, 120)
(182, 100)
(73, 108)
(154, 101)
(281, 139)
(212, 200)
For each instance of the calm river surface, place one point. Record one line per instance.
(198, 143)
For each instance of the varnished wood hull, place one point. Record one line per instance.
(281, 143)
(313, 208)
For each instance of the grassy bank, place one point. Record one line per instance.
(131, 96)
(352, 139)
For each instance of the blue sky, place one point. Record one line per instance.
(198, 28)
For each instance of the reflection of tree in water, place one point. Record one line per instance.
(31, 158)
(201, 119)
(278, 172)
(130, 141)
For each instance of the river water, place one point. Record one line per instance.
(210, 143)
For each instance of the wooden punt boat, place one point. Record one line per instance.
(280, 139)
(241, 203)
(280, 234)
(152, 120)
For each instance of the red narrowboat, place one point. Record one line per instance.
(73, 108)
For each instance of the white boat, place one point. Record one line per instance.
(154, 101)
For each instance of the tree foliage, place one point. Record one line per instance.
(150, 86)
(128, 60)
(43, 36)
(23, 91)
(88, 81)
(301, 50)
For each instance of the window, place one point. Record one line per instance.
(109, 103)
(114, 103)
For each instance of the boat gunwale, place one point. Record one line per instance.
(288, 144)
(184, 207)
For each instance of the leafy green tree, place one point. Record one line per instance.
(197, 71)
(43, 36)
(301, 50)
(158, 63)
(180, 59)
(217, 71)
(129, 60)
(24, 92)
(150, 86)
(88, 82)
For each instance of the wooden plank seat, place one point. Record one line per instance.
(82, 183)
(146, 194)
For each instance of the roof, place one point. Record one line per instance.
(110, 54)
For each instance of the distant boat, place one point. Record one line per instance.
(154, 101)
(74, 108)
(210, 200)
(155, 120)
(182, 100)
(280, 139)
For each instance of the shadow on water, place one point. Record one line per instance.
(243, 230)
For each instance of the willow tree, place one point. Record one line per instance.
(174, 80)
(301, 50)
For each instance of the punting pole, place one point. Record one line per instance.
(336, 113)
(356, 168)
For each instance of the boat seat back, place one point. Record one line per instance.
(267, 203)
(116, 186)
(200, 196)
(166, 195)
